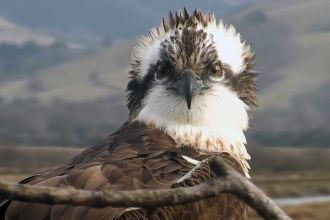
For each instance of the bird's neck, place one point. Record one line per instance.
(214, 124)
(208, 140)
(205, 139)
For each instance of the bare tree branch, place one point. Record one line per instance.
(228, 181)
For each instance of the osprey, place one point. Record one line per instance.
(189, 98)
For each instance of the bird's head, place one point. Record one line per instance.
(191, 74)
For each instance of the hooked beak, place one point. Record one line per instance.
(188, 85)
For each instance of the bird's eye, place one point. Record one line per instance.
(161, 71)
(216, 70)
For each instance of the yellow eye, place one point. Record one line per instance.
(216, 70)
(161, 72)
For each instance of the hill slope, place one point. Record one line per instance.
(96, 76)
(291, 40)
(12, 33)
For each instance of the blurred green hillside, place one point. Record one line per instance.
(75, 103)
(295, 108)
(101, 74)
(82, 101)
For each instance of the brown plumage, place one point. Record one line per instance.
(134, 157)
(171, 67)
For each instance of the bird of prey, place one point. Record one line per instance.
(190, 97)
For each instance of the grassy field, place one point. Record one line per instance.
(287, 160)
(307, 211)
(27, 160)
(294, 185)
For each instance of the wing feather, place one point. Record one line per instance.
(135, 157)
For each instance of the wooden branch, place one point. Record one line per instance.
(228, 181)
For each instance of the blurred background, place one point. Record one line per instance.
(64, 68)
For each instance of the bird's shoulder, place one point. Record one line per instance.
(136, 156)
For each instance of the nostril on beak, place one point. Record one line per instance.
(179, 79)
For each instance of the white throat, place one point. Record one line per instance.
(214, 124)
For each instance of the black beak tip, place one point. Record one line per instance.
(188, 100)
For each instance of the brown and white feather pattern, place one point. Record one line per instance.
(216, 122)
(230, 48)
(134, 157)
